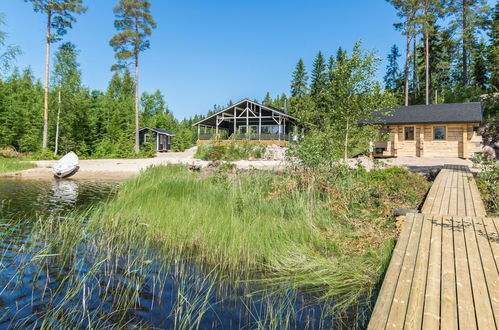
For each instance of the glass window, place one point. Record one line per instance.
(439, 133)
(409, 133)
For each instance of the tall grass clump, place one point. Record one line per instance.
(330, 237)
(13, 165)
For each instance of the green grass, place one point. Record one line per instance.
(333, 239)
(272, 235)
(13, 165)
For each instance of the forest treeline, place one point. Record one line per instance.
(451, 54)
(92, 122)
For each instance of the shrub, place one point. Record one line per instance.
(488, 182)
(231, 150)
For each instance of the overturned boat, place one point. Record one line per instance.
(66, 166)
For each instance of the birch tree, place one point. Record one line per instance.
(134, 24)
(60, 16)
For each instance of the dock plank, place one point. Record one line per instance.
(444, 272)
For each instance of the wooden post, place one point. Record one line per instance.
(279, 125)
(199, 128)
(260, 124)
(247, 122)
(284, 120)
(421, 141)
(216, 129)
(465, 141)
(157, 142)
(395, 140)
(235, 127)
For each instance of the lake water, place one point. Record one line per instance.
(37, 294)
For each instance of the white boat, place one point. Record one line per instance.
(66, 166)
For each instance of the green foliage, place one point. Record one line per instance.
(319, 75)
(7, 52)
(299, 83)
(331, 118)
(488, 183)
(393, 77)
(13, 165)
(217, 149)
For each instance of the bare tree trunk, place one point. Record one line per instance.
(427, 66)
(414, 62)
(407, 58)
(137, 146)
(465, 50)
(56, 148)
(46, 94)
(137, 142)
(345, 156)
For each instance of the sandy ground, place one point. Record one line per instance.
(119, 169)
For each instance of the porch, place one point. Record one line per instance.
(248, 120)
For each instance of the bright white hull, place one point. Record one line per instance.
(66, 166)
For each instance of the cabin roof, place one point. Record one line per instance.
(471, 112)
(241, 105)
(158, 130)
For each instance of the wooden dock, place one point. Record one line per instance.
(444, 269)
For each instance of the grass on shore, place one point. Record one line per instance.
(333, 240)
(13, 165)
(329, 236)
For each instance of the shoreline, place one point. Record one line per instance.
(122, 169)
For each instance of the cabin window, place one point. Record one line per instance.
(409, 133)
(439, 133)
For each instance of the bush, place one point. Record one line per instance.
(231, 150)
(488, 182)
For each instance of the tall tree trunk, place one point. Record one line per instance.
(137, 142)
(407, 58)
(46, 94)
(427, 66)
(137, 146)
(414, 63)
(464, 41)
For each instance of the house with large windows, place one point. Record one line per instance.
(251, 121)
(434, 130)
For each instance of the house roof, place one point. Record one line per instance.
(432, 113)
(229, 109)
(158, 130)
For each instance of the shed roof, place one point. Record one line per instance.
(470, 112)
(158, 130)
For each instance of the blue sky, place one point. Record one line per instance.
(207, 52)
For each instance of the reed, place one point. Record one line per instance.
(297, 249)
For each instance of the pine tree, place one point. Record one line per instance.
(60, 15)
(134, 23)
(299, 82)
(392, 76)
(406, 10)
(494, 49)
(319, 75)
(267, 100)
(480, 65)
(7, 52)
(468, 17)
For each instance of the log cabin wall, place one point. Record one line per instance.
(422, 142)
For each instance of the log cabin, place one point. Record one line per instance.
(432, 131)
